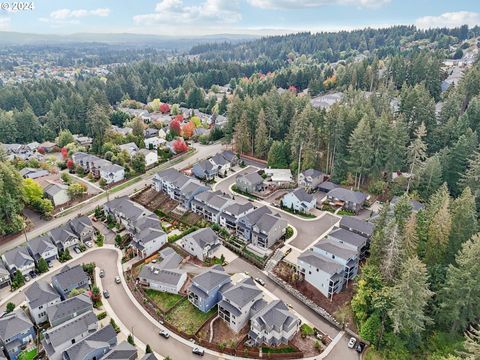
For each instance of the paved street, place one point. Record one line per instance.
(203, 151)
(308, 230)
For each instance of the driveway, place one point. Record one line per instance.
(308, 230)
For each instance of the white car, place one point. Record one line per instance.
(352, 342)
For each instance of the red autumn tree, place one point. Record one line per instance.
(179, 146)
(188, 129)
(64, 152)
(70, 164)
(165, 108)
(179, 117)
(41, 150)
(175, 128)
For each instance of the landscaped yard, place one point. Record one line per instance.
(187, 318)
(27, 354)
(164, 301)
(278, 350)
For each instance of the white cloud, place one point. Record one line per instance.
(175, 12)
(67, 16)
(449, 19)
(296, 4)
(4, 23)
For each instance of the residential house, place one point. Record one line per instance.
(90, 163)
(112, 173)
(326, 186)
(40, 295)
(94, 346)
(57, 193)
(151, 157)
(352, 240)
(82, 140)
(4, 276)
(249, 183)
(122, 351)
(279, 177)
(18, 259)
(237, 303)
(42, 247)
(416, 205)
(206, 288)
(63, 237)
(231, 157)
(268, 230)
(358, 226)
(201, 243)
(16, 333)
(222, 164)
(232, 213)
(82, 227)
(162, 133)
(245, 223)
(310, 179)
(299, 200)
(348, 199)
(340, 253)
(154, 142)
(70, 278)
(325, 275)
(68, 309)
(125, 211)
(189, 190)
(273, 325)
(164, 276)
(201, 132)
(150, 133)
(121, 130)
(210, 204)
(59, 338)
(31, 173)
(48, 146)
(326, 101)
(205, 170)
(130, 148)
(149, 356)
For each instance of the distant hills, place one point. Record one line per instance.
(127, 39)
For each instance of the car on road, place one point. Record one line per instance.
(360, 346)
(260, 281)
(106, 294)
(198, 351)
(351, 342)
(117, 280)
(164, 333)
(102, 273)
(77, 250)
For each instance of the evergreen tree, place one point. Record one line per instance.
(472, 344)
(438, 234)
(430, 178)
(410, 297)
(242, 135)
(11, 199)
(417, 153)
(394, 252)
(261, 137)
(472, 175)
(411, 236)
(361, 151)
(278, 156)
(42, 266)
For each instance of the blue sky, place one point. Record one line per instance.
(199, 17)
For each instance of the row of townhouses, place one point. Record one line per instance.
(65, 237)
(217, 165)
(99, 168)
(334, 260)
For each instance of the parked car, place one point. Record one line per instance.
(198, 351)
(89, 244)
(260, 281)
(117, 280)
(49, 263)
(351, 342)
(360, 346)
(106, 294)
(32, 274)
(27, 278)
(102, 273)
(77, 250)
(94, 219)
(164, 334)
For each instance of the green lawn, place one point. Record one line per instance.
(187, 318)
(163, 300)
(279, 350)
(27, 355)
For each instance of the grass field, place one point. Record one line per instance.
(27, 354)
(163, 300)
(187, 318)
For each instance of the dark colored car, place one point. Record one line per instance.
(360, 346)
(106, 294)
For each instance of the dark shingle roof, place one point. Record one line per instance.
(356, 197)
(67, 307)
(320, 262)
(348, 237)
(210, 278)
(98, 339)
(302, 195)
(40, 293)
(70, 275)
(358, 225)
(13, 324)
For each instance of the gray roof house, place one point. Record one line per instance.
(63, 237)
(94, 346)
(59, 338)
(18, 259)
(189, 190)
(122, 351)
(310, 179)
(230, 156)
(268, 230)
(82, 227)
(112, 173)
(353, 240)
(340, 253)
(249, 183)
(4, 276)
(206, 288)
(125, 210)
(70, 278)
(326, 186)
(237, 303)
(348, 199)
(210, 204)
(246, 222)
(147, 235)
(42, 247)
(299, 200)
(205, 170)
(273, 325)
(231, 213)
(16, 333)
(149, 356)
(222, 164)
(358, 226)
(416, 205)
(40, 295)
(57, 193)
(131, 148)
(201, 243)
(31, 173)
(164, 276)
(68, 309)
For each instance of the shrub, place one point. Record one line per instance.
(102, 315)
(378, 187)
(288, 232)
(115, 326)
(306, 330)
(10, 307)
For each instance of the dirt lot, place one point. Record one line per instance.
(285, 272)
(307, 345)
(223, 335)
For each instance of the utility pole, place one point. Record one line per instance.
(299, 160)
